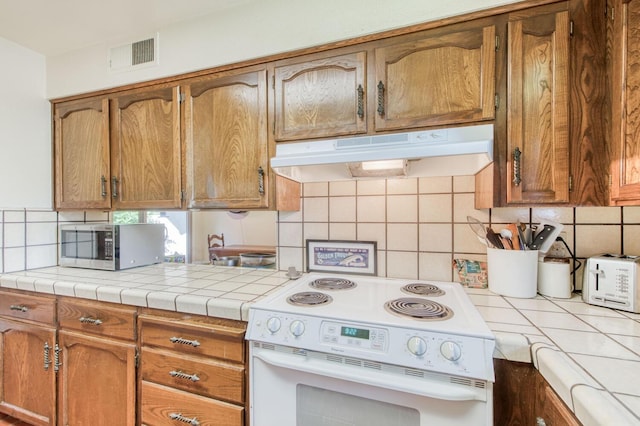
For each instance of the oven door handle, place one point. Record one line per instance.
(429, 389)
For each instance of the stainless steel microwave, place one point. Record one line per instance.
(111, 247)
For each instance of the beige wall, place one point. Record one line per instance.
(420, 224)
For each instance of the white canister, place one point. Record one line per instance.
(512, 273)
(554, 277)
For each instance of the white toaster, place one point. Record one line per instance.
(611, 280)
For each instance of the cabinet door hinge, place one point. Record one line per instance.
(497, 43)
(496, 101)
(570, 28)
(570, 183)
(273, 82)
(183, 195)
(137, 358)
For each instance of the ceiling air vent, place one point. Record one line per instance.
(131, 56)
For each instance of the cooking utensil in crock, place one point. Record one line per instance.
(479, 229)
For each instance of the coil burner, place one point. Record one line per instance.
(332, 284)
(423, 289)
(309, 298)
(417, 308)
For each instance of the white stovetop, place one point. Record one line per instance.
(365, 303)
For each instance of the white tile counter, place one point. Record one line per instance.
(216, 291)
(590, 355)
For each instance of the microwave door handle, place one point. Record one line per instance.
(436, 390)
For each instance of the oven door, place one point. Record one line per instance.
(295, 387)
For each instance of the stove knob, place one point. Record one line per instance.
(417, 346)
(273, 325)
(297, 328)
(451, 350)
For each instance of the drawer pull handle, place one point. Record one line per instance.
(20, 308)
(179, 417)
(181, 375)
(182, 341)
(89, 320)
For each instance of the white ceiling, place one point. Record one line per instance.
(52, 27)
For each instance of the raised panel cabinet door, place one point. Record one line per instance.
(538, 109)
(81, 153)
(226, 141)
(97, 381)
(27, 376)
(146, 151)
(321, 98)
(444, 78)
(624, 55)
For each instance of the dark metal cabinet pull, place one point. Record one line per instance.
(260, 180)
(47, 360)
(114, 187)
(381, 98)
(360, 101)
(516, 166)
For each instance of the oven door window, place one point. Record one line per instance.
(322, 407)
(83, 245)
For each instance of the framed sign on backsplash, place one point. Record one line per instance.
(345, 257)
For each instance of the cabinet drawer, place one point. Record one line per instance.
(196, 338)
(205, 377)
(97, 318)
(23, 306)
(165, 406)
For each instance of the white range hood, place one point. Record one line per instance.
(442, 152)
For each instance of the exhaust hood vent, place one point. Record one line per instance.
(131, 56)
(455, 151)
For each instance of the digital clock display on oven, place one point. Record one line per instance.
(359, 333)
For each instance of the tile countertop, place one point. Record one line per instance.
(589, 355)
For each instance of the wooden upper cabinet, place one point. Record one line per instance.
(538, 109)
(320, 98)
(81, 153)
(623, 51)
(445, 77)
(227, 141)
(145, 149)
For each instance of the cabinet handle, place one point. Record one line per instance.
(103, 186)
(360, 101)
(89, 320)
(179, 417)
(181, 341)
(516, 166)
(47, 360)
(114, 187)
(181, 375)
(20, 308)
(260, 180)
(56, 358)
(381, 98)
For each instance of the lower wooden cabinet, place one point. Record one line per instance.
(521, 396)
(28, 379)
(192, 370)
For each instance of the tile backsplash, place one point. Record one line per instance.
(420, 225)
(28, 238)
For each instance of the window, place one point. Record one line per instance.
(176, 224)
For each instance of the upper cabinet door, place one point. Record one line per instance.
(445, 78)
(81, 139)
(538, 109)
(145, 149)
(321, 98)
(226, 141)
(624, 56)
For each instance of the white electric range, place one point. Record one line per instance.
(341, 349)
